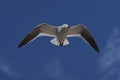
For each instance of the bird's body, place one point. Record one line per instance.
(60, 34)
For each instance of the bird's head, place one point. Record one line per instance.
(65, 25)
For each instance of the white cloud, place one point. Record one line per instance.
(109, 63)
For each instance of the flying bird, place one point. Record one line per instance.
(60, 34)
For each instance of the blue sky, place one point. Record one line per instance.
(40, 60)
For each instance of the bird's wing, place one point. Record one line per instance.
(37, 31)
(82, 31)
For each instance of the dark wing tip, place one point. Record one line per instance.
(97, 49)
(27, 39)
(88, 37)
(32, 35)
(20, 45)
(92, 43)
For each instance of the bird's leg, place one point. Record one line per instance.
(61, 43)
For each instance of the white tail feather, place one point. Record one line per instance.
(56, 42)
(66, 42)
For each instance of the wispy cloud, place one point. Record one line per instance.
(7, 69)
(109, 63)
(55, 70)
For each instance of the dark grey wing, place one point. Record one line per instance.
(42, 28)
(82, 31)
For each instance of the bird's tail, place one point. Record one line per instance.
(56, 42)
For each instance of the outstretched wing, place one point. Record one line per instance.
(81, 30)
(41, 28)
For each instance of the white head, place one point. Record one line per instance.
(65, 25)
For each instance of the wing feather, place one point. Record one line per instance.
(42, 28)
(85, 35)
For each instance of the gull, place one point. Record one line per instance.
(60, 34)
